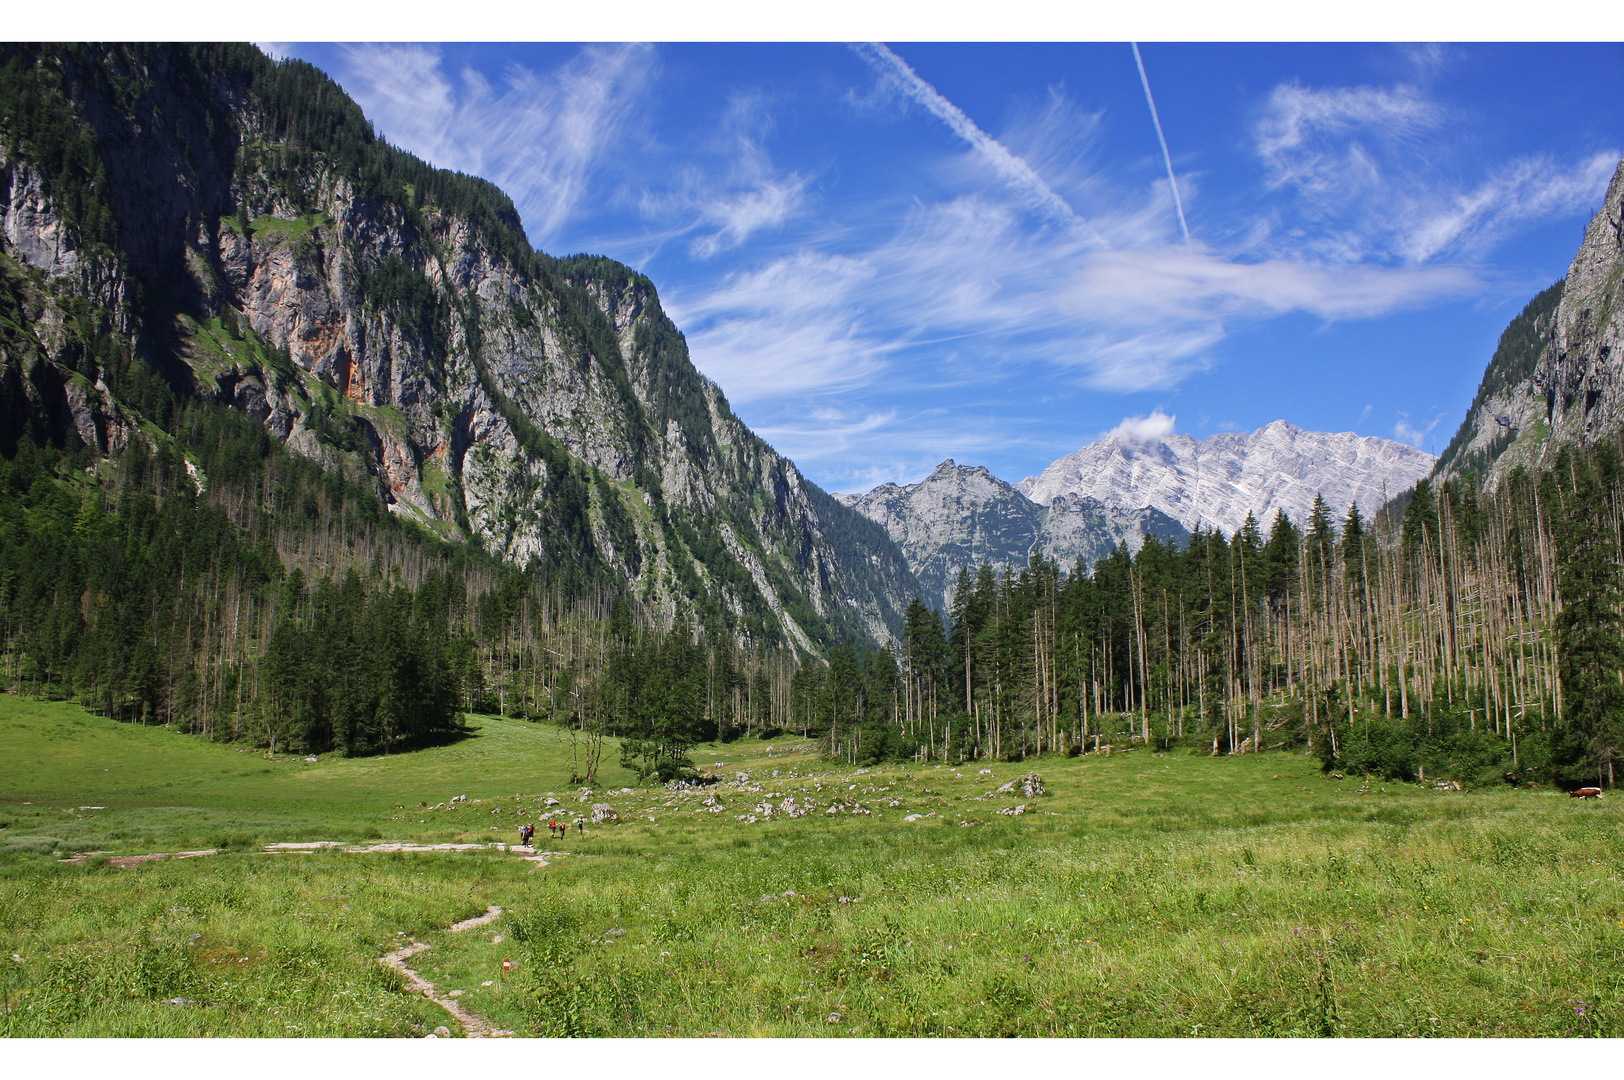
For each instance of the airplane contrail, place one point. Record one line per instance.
(1015, 171)
(1144, 80)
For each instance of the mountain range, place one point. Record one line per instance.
(1216, 482)
(962, 516)
(201, 225)
(1124, 487)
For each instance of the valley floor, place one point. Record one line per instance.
(1143, 895)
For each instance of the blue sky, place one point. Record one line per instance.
(890, 255)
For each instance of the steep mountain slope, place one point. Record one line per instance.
(202, 222)
(963, 516)
(1507, 418)
(1582, 374)
(1558, 373)
(1217, 481)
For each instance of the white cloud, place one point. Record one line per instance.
(751, 196)
(1143, 430)
(1404, 431)
(968, 277)
(540, 136)
(857, 450)
(1521, 190)
(1312, 138)
(1014, 171)
(1367, 169)
(983, 287)
(738, 214)
(788, 328)
(832, 433)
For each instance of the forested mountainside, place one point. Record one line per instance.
(962, 517)
(197, 224)
(1506, 409)
(1558, 373)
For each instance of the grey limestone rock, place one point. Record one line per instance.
(1215, 482)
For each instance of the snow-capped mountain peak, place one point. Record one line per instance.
(1216, 481)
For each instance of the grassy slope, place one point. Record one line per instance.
(1146, 895)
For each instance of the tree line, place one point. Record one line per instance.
(219, 584)
(1461, 632)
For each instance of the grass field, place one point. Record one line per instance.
(1155, 895)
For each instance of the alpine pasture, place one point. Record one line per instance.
(1142, 894)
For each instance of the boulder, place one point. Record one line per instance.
(1029, 786)
(604, 814)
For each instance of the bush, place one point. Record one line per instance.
(1443, 748)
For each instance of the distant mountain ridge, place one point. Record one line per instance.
(1215, 482)
(1118, 490)
(963, 516)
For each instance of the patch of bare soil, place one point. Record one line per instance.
(125, 862)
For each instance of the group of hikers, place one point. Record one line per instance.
(559, 830)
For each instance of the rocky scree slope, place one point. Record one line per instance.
(202, 223)
(1217, 481)
(962, 516)
(1559, 371)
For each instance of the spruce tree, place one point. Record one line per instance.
(1588, 632)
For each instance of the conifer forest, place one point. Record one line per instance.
(1453, 634)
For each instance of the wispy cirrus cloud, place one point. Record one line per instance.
(540, 136)
(748, 195)
(967, 277)
(1013, 170)
(1369, 183)
(1404, 431)
(1122, 305)
(856, 450)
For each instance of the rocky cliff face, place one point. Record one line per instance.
(1582, 373)
(1558, 373)
(963, 516)
(244, 235)
(1508, 421)
(1216, 482)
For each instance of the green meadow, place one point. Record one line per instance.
(1142, 895)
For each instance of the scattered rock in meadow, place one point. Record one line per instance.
(604, 814)
(1029, 786)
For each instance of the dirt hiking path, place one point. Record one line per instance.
(473, 1025)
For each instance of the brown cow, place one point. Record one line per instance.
(1587, 793)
